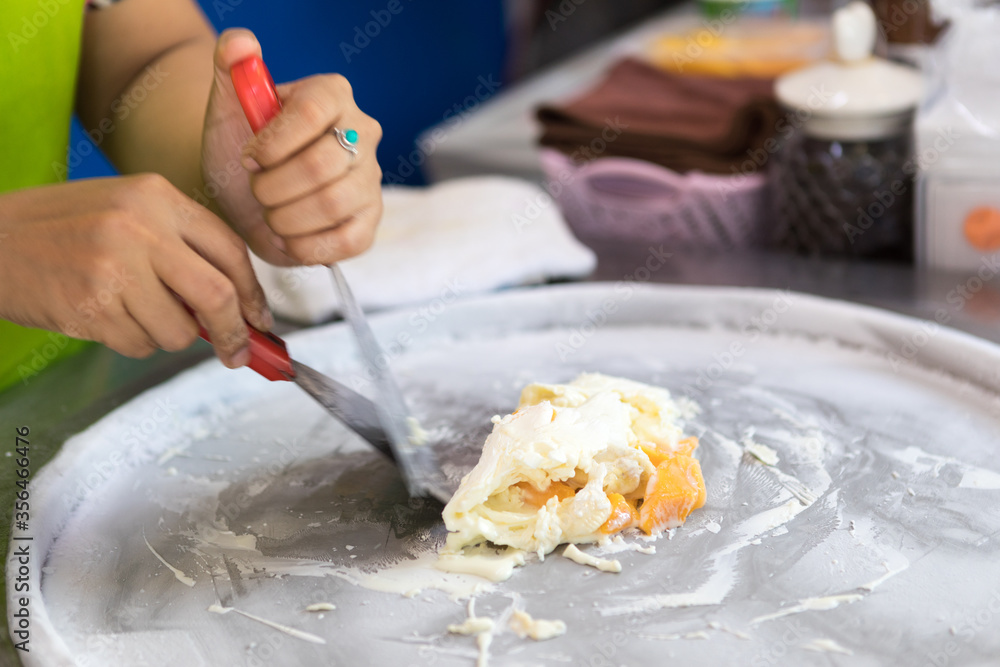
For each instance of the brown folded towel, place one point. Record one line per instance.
(678, 121)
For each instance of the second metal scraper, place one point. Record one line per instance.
(259, 100)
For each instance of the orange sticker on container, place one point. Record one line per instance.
(982, 228)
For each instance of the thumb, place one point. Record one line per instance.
(233, 45)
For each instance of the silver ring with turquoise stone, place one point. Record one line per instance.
(348, 139)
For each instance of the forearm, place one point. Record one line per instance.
(145, 76)
(154, 73)
(157, 121)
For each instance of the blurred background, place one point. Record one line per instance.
(722, 145)
(418, 66)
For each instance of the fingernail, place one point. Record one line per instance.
(250, 164)
(267, 319)
(241, 358)
(279, 243)
(250, 39)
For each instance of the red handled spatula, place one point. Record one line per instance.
(384, 423)
(269, 357)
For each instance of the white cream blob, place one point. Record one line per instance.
(587, 433)
(538, 629)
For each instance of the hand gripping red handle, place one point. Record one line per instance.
(255, 90)
(268, 353)
(259, 99)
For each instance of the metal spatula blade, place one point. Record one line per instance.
(417, 463)
(259, 99)
(351, 408)
(269, 358)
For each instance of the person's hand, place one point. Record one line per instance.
(106, 259)
(303, 198)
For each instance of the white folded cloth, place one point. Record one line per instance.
(453, 239)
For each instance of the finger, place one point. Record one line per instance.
(161, 315)
(227, 252)
(319, 164)
(212, 296)
(328, 207)
(311, 108)
(267, 245)
(233, 45)
(349, 239)
(123, 334)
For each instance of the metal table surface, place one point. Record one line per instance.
(78, 391)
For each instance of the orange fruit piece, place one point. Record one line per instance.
(657, 456)
(623, 514)
(532, 495)
(687, 445)
(673, 491)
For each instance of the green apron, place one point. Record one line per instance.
(39, 55)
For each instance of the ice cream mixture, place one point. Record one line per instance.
(578, 463)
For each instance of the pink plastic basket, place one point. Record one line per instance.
(627, 199)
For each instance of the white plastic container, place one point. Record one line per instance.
(957, 156)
